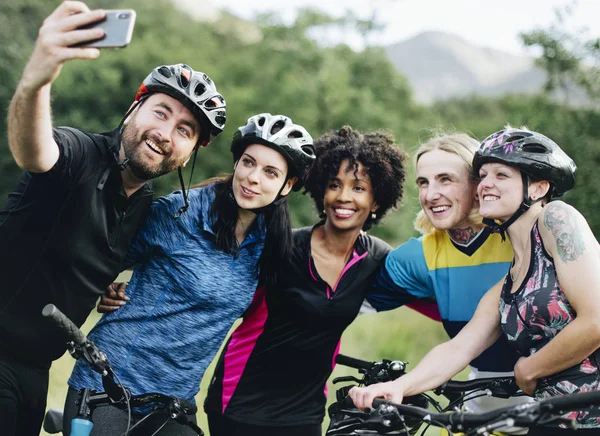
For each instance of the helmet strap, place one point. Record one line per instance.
(125, 162)
(184, 192)
(524, 207)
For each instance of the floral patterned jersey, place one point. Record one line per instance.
(535, 314)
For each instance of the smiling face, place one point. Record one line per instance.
(349, 198)
(500, 190)
(159, 136)
(446, 192)
(259, 175)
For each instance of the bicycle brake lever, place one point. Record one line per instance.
(505, 389)
(347, 378)
(440, 389)
(572, 423)
(89, 352)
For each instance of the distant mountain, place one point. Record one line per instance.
(441, 65)
(205, 11)
(438, 65)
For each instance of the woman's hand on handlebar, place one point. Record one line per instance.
(113, 298)
(390, 391)
(524, 382)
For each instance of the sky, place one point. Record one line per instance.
(485, 23)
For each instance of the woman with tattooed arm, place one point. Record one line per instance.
(548, 305)
(455, 261)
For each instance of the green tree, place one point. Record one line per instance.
(569, 59)
(286, 71)
(19, 24)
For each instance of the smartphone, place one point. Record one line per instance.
(118, 29)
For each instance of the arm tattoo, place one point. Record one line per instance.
(462, 236)
(561, 223)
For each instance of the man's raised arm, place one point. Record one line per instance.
(29, 116)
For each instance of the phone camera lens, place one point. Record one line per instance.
(123, 15)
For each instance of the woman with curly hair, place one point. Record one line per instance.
(272, 374)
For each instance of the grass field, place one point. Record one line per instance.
(400, 334)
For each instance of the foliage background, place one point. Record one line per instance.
(321, 88)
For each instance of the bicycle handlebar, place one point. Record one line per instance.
(344, 417)
(502, 387)
(186, 406)
(522, 414)
(469, 385)
(65, 324)
(352, 362)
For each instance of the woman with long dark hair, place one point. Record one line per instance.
(197, 274)
(272, 374)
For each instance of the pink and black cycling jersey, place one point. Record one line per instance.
(274, 368)
(533, 315)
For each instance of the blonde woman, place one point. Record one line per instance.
(548, 303)
(457, 258)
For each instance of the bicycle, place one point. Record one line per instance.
(387, 415)
(115, 394)
(344, 418)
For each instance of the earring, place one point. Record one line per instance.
(373, 215)
(323, 211)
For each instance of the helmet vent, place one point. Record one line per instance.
(295, 134)
(535, 148)
(165, 71)
(516, 136)
(261, 121)
(184, 80)
(199, 89)
(277, 127)
(308, 149)
(512, 139)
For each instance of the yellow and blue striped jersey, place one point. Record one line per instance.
(433, 267)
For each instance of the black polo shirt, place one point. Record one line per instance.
(63, 237)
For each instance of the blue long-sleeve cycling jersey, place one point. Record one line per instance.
(184, 297)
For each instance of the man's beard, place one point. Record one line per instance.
(133, 142)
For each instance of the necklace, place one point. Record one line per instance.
(527, 248)
(512, 276)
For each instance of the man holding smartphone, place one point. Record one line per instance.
(68, 224)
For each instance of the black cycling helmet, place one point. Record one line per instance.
(195, 90)
(281, 134)
(533, 153)
(536, 156)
